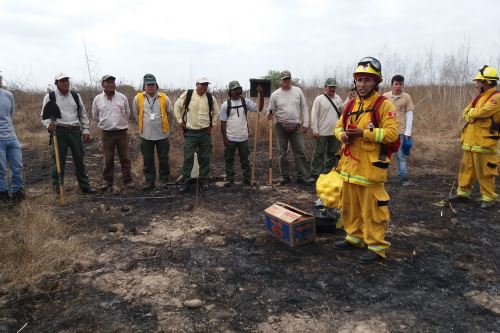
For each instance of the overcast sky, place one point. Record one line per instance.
(223, 40)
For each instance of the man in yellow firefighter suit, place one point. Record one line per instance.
(480, 139)
(364, 162)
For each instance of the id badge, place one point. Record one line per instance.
(151, 116)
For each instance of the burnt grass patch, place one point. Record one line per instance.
(440, 254)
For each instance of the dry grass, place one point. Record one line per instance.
(34, 244)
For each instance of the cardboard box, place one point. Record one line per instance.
(289, 224)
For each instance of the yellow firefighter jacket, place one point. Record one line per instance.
(363, 166)
(482, 112)
(163, 110)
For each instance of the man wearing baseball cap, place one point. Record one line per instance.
(325, 112)
(234, 128)
(72, 127)
(152, 110)
(287, 106)
(196, 111)
(111, 111)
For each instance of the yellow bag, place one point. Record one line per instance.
(329, 189)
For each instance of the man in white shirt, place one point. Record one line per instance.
(152, 110)
(287, 106)
(72, 127)
(234, 128)
(111, 111)
(326, 111)
(404, 114)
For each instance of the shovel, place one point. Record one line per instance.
(51, 111)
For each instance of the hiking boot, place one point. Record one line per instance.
(18, 196)
(458, 198)
(487, 205)
(106, 186)
(369, 257)
(88, 190)
(186, 186)
(306, 181)
(148, 186)
(344, 245)
(229, 183)
(284, 180)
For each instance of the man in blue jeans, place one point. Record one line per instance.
(404, 114)
(10, 152)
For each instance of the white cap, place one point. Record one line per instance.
(202, 80)
(61, 76)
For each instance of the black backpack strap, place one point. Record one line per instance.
(52, 96)
(333, 104)
(78, 106)
(228, 111)
(210, 107)
(244, 103)
(187, 100)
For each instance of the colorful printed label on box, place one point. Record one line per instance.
(303, 232)
(278, 229)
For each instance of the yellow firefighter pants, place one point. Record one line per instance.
(365, 216)
(480, 166)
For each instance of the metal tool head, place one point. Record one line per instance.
(51, 111)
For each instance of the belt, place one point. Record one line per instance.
(197, 130)
(67, 127)
(115, 131)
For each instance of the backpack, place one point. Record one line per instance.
(386, 150)
(52, 98)
(188, 100)
(243, 104)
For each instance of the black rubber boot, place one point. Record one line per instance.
(369, 257)
(345, 245)
(18, 196)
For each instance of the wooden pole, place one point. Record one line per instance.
(270, 166)
(58, 167)
(260, 99)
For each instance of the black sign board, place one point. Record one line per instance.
(266, 85)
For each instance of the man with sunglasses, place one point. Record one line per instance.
(196, 111)
(366, 127)
(479, 140)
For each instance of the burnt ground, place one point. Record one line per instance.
(149, 255)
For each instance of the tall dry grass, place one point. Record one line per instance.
(34, 244)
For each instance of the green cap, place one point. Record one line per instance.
(331, 82)
(285, 75)
(234, 85)
(149, 79)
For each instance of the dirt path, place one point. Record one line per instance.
(151, 255)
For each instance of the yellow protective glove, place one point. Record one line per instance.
(468, 115)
